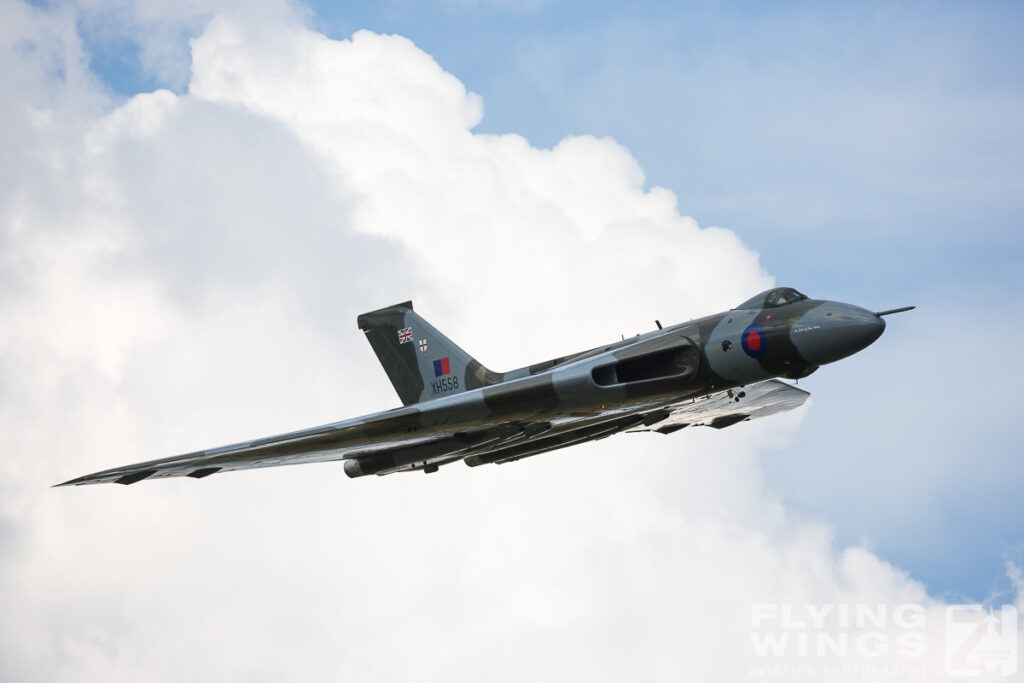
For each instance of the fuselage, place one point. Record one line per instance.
(779, 333)
(724, 351)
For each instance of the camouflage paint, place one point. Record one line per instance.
(714, 371)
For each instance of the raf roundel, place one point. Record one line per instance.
(754, 341)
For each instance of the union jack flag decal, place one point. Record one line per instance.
(405, 335)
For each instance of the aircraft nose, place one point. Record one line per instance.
(834, 331)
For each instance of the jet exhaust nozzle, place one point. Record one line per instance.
(353, 468)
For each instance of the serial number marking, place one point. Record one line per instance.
(444, 385)
(798, 330)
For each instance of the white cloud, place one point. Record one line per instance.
(186, 269)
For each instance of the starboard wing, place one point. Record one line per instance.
(727, 408)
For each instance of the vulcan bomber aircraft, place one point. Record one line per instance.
(714, 371)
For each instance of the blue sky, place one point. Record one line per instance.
(870, 152)
(761, 119)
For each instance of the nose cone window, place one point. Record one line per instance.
(773, 298)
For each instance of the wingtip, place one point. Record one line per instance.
(78, 481)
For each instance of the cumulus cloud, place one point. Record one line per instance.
(185, 270)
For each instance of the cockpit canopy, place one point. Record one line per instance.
(773, 298)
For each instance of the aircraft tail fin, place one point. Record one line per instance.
(421, 362)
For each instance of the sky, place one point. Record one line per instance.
(197, 199)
